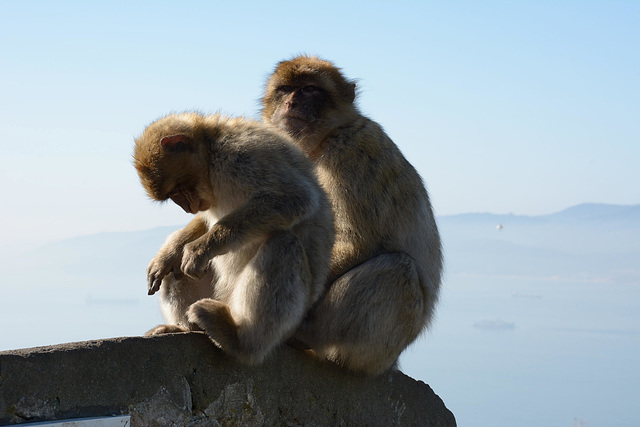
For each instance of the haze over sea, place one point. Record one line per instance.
(538, 322)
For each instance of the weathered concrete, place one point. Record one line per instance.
(183, 379)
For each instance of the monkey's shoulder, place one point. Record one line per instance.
(363, 135)
(240, 133)
(250, 145)
(364, 146)
(248, 158)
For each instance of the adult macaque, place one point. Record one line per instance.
(386, 263)
(255, 257)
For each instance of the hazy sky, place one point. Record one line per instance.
(503, 106)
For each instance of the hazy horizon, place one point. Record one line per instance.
(12, 251)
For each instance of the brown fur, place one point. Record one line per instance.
(386, 263)
(255, 257)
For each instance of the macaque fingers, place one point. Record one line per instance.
(154, 277)
(195, 259)
(159, 267)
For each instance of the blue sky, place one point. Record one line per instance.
(525, 107)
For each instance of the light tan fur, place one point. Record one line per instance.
(386, 263)
(255, 257)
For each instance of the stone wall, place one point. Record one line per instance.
(184, 380)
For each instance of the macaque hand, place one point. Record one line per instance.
(165, 262)
(195, 259)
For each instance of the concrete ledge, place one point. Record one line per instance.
(183, 379)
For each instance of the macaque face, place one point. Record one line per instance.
(189, 200)
(298, 105)
(308, 98)
(173, 167)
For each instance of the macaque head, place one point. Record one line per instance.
(171, 160)
(308, 97)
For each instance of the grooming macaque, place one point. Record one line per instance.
(255, 257)
(386, 263)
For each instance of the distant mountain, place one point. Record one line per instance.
(599, 212)
(594, 240)
(111, 254)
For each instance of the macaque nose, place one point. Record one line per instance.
(291, 103)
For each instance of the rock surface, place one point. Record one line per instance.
(185, 380)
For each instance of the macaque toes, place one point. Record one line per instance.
(386, 263)
(255, 257)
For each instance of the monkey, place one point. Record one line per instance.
(255, 257)
(386, 263)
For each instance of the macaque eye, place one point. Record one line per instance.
(310, 88)
(285, 89)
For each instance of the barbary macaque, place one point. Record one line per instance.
(255, 257)
(386, 264)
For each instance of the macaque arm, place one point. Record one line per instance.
(263, 213)
(169, 256)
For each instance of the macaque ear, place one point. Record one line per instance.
(177, 143)
(352, 92)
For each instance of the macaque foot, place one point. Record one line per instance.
(165, 329)
(215, 319)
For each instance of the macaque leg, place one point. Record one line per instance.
(368, 316)
(268, 303)
(176, 296)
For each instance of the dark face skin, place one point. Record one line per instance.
(299, 107)
(189, 201)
